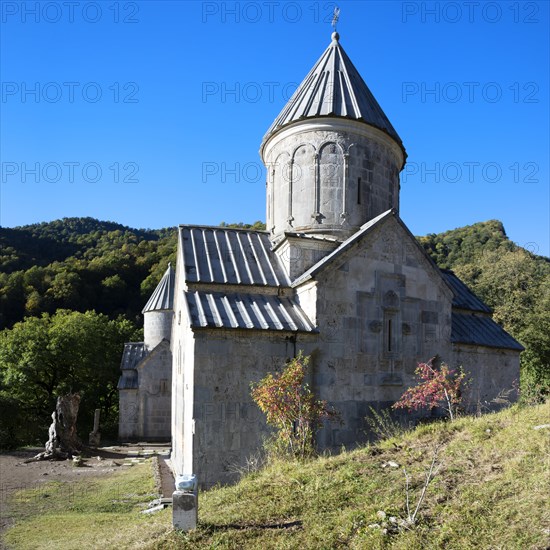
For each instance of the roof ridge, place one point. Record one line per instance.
(219, 228)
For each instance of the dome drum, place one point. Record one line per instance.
(330, 177)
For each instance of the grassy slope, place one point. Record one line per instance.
(491, 492)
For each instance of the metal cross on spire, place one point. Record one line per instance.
(335, 17)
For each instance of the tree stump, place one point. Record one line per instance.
(63, 441)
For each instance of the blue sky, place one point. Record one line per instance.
(151, 114)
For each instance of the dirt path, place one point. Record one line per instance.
(16, 475)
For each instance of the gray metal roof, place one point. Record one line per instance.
(464, 298)
(133, 353)
(128, 381)
(481, 330)
(334, 87)
(246, 311)
(230, 256)
(163, 296)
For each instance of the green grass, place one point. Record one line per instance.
(96, 513)
(490, 493)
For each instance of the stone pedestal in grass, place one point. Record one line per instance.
(95, 436)
(185, 503)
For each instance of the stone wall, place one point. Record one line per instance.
(157, 326)
(491, 371)
(145, 413)
(381, 309)
(155, 379)
(226, 426)
(128, 416)
(298, 254)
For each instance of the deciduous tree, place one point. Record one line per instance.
(437, 387)
(43, 358)
(291, 408)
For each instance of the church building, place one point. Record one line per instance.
(144, 387)
(336, 275)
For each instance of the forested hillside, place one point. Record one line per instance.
(82, 264)
(511, 280)
(468, 244)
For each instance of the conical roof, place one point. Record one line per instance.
(163, 296)
(334, 88)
